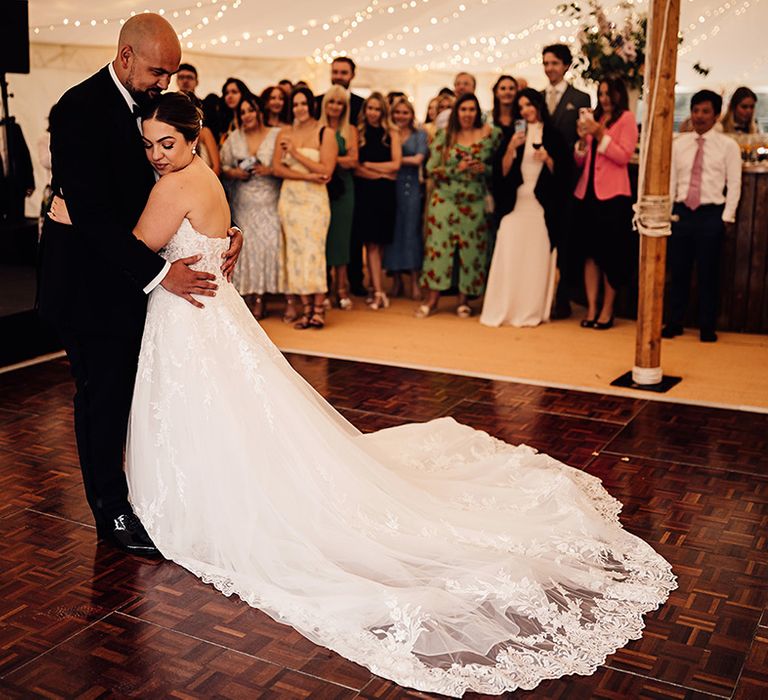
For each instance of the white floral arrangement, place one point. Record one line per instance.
(609, 49)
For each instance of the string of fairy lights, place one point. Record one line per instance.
(379, 32)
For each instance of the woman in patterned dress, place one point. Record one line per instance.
(460, 166)
(253, 192)
(305, 159)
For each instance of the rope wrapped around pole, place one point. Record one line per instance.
(652, 215)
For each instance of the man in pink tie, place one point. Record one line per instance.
(705, 188)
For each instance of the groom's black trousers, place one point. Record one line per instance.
(104, 370)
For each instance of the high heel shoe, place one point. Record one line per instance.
(425, 310)
(588, 322)
(304, 321)
(317, 320)
(291, 313)
(345, 303)
(604, 326)
(380, 301)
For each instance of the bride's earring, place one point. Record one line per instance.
(194, 150)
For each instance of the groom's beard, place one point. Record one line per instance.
(144, 98)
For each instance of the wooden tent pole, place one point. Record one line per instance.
(654, 208)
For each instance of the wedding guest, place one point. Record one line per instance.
(247, 157)
(603, 211)
(460, 165)
(275, 106)
(212, 110)
(532, 179)
(207, 148)
(341, 190)
(305, 158)
(739, 118)
(393, 96)
(431, 111)
(563, 103)
(286, 86)
(445, 102)
(343, 73)
(404, 253)
(379, 160)
(705, 187)
(503, 114)
(186, 78)
(463, 84)
(232, 93)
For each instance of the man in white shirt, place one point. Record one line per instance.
(705, 187)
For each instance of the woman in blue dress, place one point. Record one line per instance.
(405, 253)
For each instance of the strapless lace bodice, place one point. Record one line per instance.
(186, 242)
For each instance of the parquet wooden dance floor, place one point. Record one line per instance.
(80, 620)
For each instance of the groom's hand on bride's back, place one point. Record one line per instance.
(183, 281)
(232, 253)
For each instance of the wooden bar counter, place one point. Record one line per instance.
(744, 265)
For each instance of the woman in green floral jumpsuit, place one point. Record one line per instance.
(457, 223)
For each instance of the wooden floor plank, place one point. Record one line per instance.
(693, 481)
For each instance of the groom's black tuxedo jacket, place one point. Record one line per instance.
(92, 273)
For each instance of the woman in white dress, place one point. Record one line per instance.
(253, 194)
(531, 181)
(433, 554)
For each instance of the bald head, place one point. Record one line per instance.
(148, 53)
(146, 31)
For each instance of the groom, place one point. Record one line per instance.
(95, 275)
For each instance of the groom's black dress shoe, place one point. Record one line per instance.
(126, 532)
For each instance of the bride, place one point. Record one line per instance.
(433, 554)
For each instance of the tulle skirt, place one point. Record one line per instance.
(433, 554)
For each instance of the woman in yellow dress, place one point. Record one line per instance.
(305, 159)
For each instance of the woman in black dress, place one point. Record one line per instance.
(379, 158)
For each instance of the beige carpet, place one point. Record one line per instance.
(732, 372)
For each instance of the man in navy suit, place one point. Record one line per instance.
(563, 104)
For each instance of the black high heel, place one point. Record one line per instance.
(588, 323)
(604, 326)
(317, 319)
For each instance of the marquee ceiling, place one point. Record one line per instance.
(725, 36)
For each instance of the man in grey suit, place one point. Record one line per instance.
(563, 104)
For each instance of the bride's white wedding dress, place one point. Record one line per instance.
(433, 554)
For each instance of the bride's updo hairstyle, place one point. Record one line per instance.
(178, 111)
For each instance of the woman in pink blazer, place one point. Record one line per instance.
(604, 204)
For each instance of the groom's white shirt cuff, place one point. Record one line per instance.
(158, 279)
